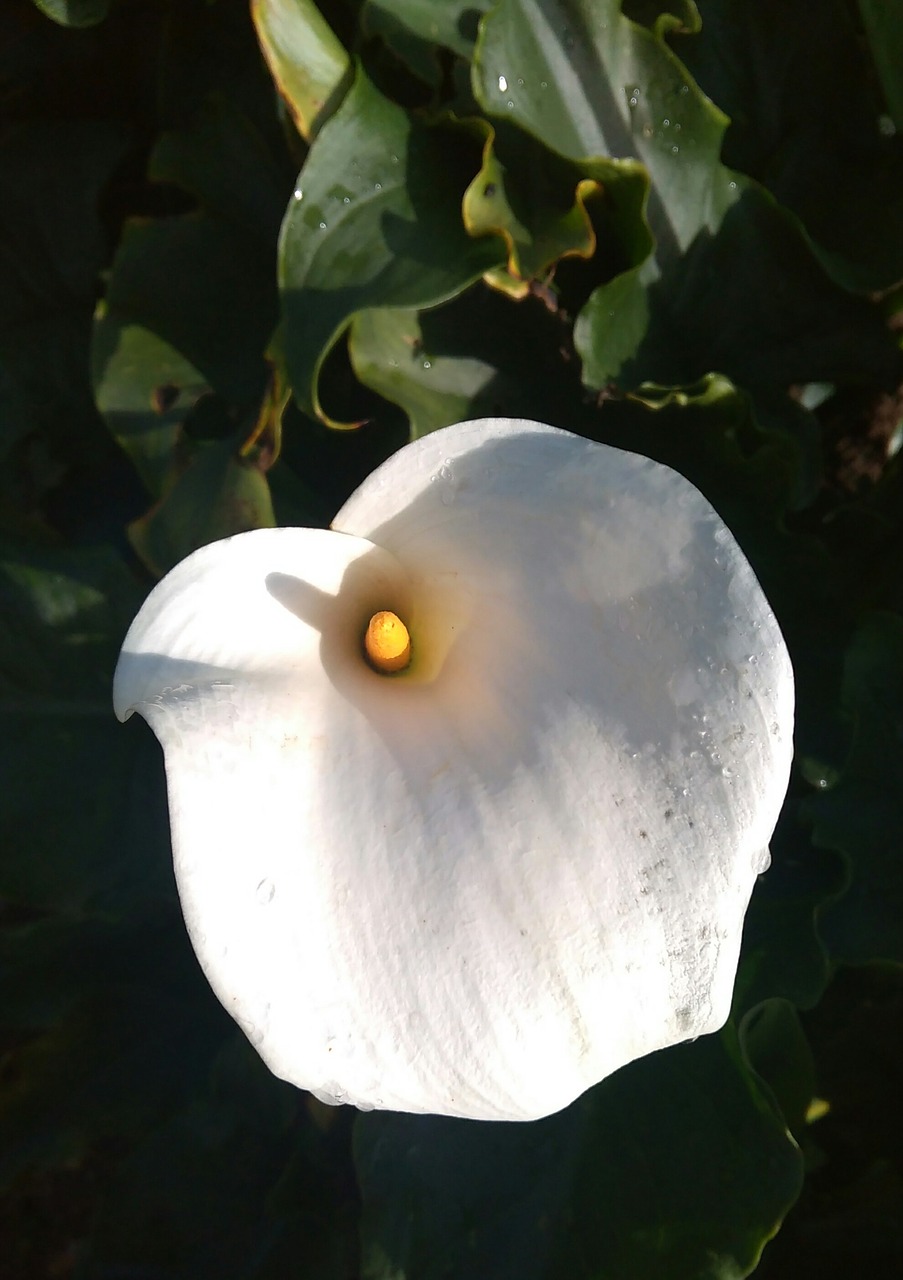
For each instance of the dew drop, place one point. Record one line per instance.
(298, 193)
(427, 364)
(675, 150)
(732, 186)
(666, 123)
(503, 85)
(346, 200)
(509, 104)
(322, 226)
(266, 891)
(520, 81)
(543, 84)
(763, 862)
(377, 186)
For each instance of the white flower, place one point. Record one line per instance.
(481, 883)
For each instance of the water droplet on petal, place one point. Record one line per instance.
(266, 891)
(503, 85)
(322, 226)
(298, 193)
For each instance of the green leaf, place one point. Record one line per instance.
(144, 389)
(674, 1167)
(63, 617)
(884, 28)
(308, 63)
(862, 815)
(223, 160)
(416, 29)
(536, 203)
(805, 120)
(589, 83)
(783, 955)
(375, 222)
(212, 492)
(480, 355)
(203, 282)
(187, 280)
(75, 13)
(775, 1046)
(388, 354)
(752, 302)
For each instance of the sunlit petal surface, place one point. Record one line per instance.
(479, 885)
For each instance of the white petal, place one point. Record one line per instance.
(478, 887)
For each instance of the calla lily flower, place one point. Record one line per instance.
(469, 793)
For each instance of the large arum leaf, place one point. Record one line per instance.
(588, 83)
(862, 814)
(739, 290)
(375, 221)
(537, 203)
(388, 354)
(775, 1046)
(64, 614)
(884, 28)
(751, 302)
(144, 388)
(480, 355)
(202, 282)
(217, 308)
(783, 954)
(212, 492)
(805, 121)
(416, 29)
(307, 62)
(75, 13)
(675, 1167)
(452, 25)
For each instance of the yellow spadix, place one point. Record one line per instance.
(387, 643)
